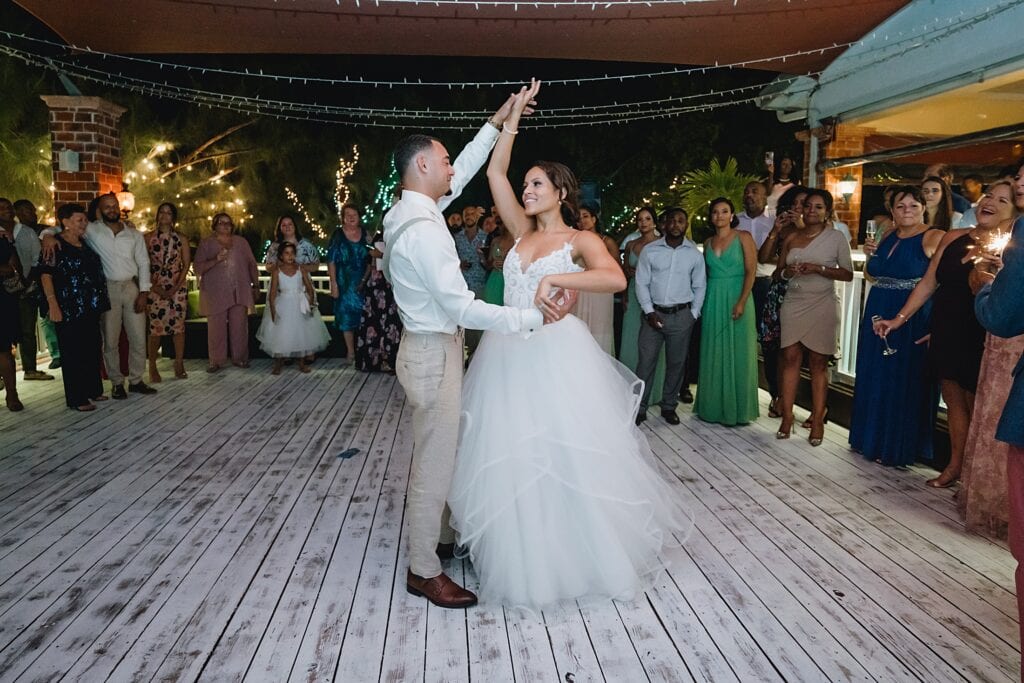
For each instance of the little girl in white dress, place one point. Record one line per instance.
(292, 327)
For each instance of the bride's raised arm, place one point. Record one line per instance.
(511, 212)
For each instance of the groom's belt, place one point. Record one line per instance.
(672, 309)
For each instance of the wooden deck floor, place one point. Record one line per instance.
(215, 532)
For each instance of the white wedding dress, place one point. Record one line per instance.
(555, 495)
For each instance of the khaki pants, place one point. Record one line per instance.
(122, 312)
(429, 367)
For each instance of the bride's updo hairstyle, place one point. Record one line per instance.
(564, 181)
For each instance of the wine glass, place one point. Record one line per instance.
(888, 349)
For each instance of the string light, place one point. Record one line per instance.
(577, 81)
(294, 199)
(341, 191)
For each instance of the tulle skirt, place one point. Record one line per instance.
(555, 494)
(294, 334)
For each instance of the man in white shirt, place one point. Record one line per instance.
(122, 251)
(670, 286)
(435, 305)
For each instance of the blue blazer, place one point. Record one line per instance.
(1000, 309)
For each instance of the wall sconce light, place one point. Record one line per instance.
(847, 186)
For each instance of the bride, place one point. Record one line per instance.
(555, 495)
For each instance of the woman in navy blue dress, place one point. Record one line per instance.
(894, 403)
(957, 339)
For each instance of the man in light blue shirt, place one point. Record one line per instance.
(670, 285)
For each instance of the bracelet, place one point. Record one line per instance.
(494, 123)
(901, 316)
(506, 129)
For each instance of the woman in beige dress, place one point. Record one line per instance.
(812, 260)
(595, 309)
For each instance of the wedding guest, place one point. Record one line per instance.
(782, 178)
(945, 171)
(759, 224)
(501, 242)
(789, 217)
(670, 286)
(286, 230)
(813, 259)
(291, 326)
(122, 250)
(169, 260)
(597, 310)
(883, 217)
(25, 210)
(228, 288)
(646, 221)
(1000, 308)
(957, 339)
(983, 498)
(884, 380)
(348, 262)
(10, 329)
(76, 296)
(727, 384)
(939, 211)
(380, 327)
(26, 243)
(470, 243)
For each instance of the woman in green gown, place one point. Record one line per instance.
(727, 384)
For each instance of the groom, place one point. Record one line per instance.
(435, 305)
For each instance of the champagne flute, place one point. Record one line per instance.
(888, 349)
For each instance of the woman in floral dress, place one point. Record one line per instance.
(380, 328)
(169, 261)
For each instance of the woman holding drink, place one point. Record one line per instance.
(893, 408)
(957, 340)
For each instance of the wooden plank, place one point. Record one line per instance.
(914, 524)
(150, 541)
(74, 495)
(831, 565)
(780, 605)
(282, 580)
(178, 642)
(574, 654)
(320, 648)
(232, 494)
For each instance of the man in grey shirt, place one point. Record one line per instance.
(670, 285)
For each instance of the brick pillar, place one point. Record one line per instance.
(87, 125)
(846, 141)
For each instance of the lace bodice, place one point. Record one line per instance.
(521, 287)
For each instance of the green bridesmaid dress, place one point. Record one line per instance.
(727, 382)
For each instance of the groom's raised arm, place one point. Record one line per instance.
(469, 161)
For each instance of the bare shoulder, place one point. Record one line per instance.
(745, 238)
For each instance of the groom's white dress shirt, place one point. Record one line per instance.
(426, 277)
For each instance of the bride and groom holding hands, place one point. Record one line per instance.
(549, 486)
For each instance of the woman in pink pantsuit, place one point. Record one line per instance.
(228, 288)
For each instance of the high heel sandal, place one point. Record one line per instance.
(816, 440)
(784, 433)
(806, 424)
(773, 408)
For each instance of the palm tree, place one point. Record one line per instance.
(696, 189)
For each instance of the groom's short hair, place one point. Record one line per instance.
(408, 148)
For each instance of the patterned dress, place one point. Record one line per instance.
(349, 259)
(380, 328)
(166, 261)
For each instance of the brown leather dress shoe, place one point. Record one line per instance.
(440, 590)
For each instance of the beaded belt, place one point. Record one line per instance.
(895, 283)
